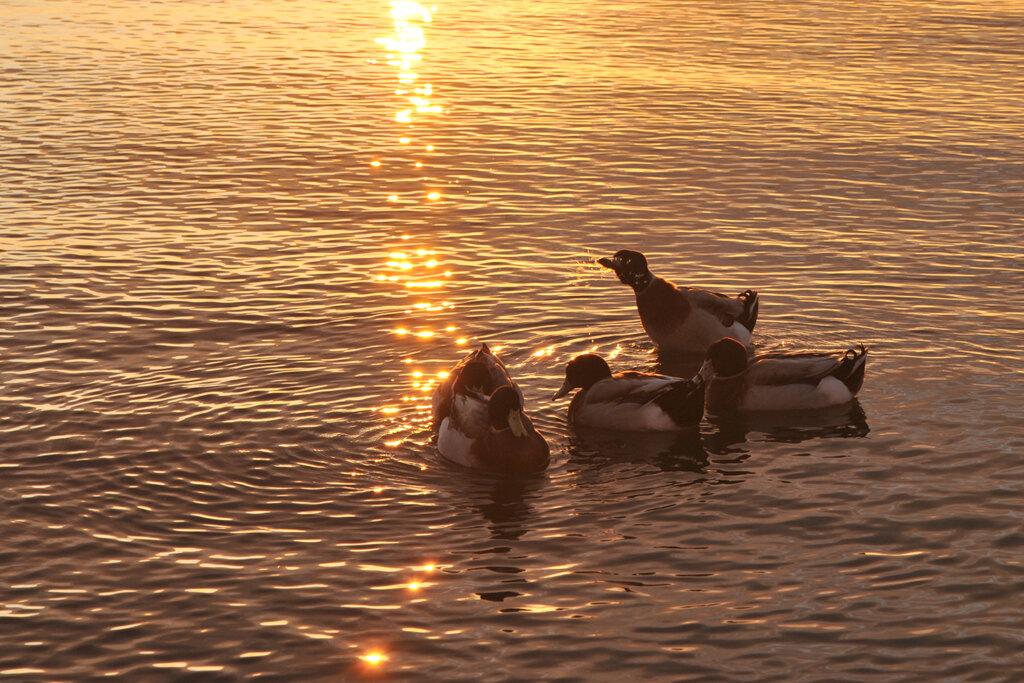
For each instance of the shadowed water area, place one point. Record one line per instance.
(243, 241)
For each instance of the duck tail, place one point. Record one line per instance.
(751, 303)
(851, 368)
(684, 402)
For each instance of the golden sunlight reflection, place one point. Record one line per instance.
(426, 321)
(415, 269)
(404, 46)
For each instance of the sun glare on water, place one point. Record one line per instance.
(403, 164)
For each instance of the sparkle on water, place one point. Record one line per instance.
(244, 242)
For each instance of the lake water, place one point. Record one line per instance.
(240, 241)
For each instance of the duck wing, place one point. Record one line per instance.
(804, 368)
(638, 401)
(464, 426)
(469, 413)
(630, 387)
(725, 308)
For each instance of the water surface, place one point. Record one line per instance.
(242, 240)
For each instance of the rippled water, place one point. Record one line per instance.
(228, 287)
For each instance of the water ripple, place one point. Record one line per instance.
(242, 244)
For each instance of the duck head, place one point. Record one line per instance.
(505, 411)
(583, 371)
(725, 358)
(630, 267)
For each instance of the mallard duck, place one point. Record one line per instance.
(780, 382)
(486, 373)
(478, 415)
(633, 401)
(687, 319)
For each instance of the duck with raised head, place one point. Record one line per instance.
(479, 418)
(630, 401)
(683, 319)
(802, 381)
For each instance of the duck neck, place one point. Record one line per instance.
(641, 281)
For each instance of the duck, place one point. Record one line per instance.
(630, 401)
(486, 372)
(797, 382)
(478, 415)
(683, 319)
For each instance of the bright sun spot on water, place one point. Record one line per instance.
(373, 658)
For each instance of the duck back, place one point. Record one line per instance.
(688, 320)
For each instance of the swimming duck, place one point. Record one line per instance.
(632, 401)
(478, 415)
(780, 382)
(687, 319)
(486, 373)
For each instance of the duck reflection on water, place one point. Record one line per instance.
(504, 505)
(678, 451)
(694, 450)
(786, 426)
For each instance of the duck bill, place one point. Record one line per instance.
(706, 372)
(566, 388)
(515, 423)
(609, 263)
